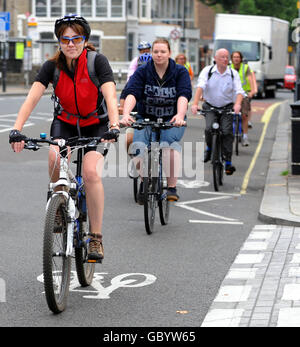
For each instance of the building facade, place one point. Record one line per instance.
(117, 25)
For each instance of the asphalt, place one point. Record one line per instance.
(281, 200)
(272, 294)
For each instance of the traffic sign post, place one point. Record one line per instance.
(4, 29)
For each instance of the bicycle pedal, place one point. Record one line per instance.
(94, 261)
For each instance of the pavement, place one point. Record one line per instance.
(262, 287)
(281, 200)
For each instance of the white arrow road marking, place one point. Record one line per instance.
(225, 220)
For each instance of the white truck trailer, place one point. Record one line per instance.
(263, 42)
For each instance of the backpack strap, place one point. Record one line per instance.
(210, 73)
(91, 56)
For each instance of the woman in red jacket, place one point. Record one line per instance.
(82, 108)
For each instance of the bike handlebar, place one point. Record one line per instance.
(33, 143)
(159, 124)
(220, 111)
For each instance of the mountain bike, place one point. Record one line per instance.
(154, 182)
(66, 224)
(217, 158)
(237, 131)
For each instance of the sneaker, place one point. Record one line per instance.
(172, 194)
(95, 250)
(250, 125)
(245, 142)
(207, 156)
(140, 194)
(229, 169)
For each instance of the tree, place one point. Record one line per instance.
(284, 9)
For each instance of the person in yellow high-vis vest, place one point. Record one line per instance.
(248, 85)
(182, 60)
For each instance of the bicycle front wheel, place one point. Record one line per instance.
(149, 203)
(163, 203)
(216, 164)
(56, 265)
(237, 135)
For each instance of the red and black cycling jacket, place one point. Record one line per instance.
(79, 98)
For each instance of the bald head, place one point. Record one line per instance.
(222, 59)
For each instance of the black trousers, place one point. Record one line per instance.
(226, 126)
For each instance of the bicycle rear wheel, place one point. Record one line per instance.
(85, 271)
(56, 265)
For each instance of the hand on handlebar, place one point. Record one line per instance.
(178, 121)
(194, 109)
(127, 121)
(16, 139)
(111, 135)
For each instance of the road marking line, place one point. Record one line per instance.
(214, 222)
(266, 120)
(11, 128)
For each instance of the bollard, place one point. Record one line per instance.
(295, 129)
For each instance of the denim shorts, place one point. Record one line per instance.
(169, 138)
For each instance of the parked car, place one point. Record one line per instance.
(290, 77)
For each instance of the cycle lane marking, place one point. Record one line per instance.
(125, 280)
(224, 220)
(266, 120)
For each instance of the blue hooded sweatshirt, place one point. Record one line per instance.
(157, 98)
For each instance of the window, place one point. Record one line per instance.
(56, 8)
(130, 46)
(71, 6)
(143, 13)
(86, 8)
(96, 41)
(130, 8)
(116, 8)
(101, 8)
(41, 8)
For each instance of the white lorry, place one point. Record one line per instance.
(263, 42)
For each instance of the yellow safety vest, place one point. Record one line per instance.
(244, 79)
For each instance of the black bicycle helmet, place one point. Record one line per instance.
(73, 18)
(144, 58)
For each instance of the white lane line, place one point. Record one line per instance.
(11, 128)
(214, 222)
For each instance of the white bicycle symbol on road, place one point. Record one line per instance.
(128, 280)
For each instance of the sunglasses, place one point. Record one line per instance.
(76, 40)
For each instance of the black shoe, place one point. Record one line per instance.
(207, 156)
(172, 194)
(140, 194)
(229, 169)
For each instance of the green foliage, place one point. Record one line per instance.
(284, 9)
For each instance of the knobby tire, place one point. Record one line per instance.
(56, 268)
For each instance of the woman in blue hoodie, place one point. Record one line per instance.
(161, 89)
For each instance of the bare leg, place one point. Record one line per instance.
(92, 172)
(171, 165)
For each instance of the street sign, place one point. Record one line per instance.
(5, 16)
